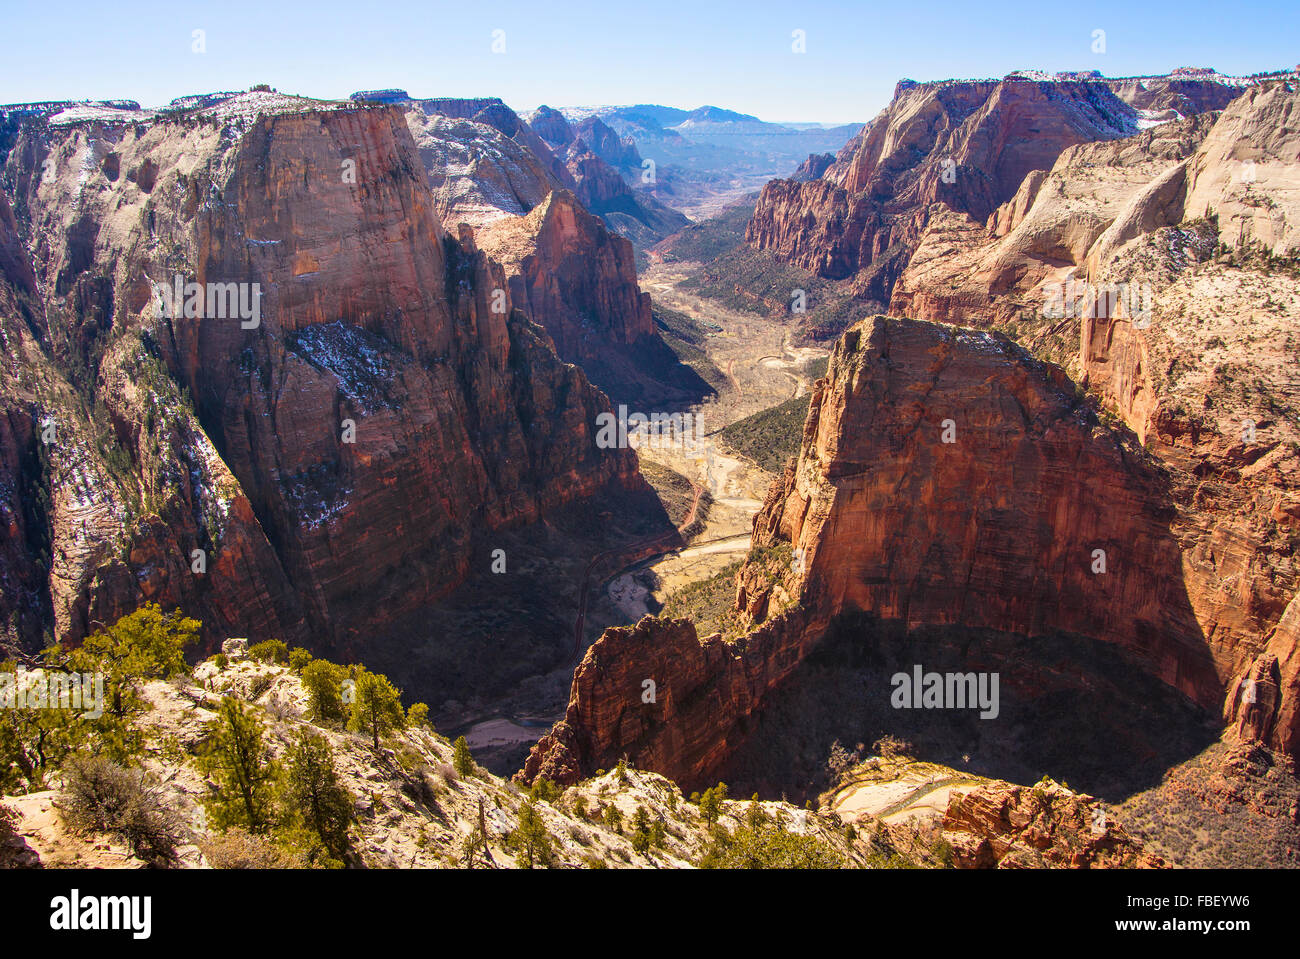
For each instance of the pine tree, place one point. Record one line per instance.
(711, 802)
(312, 792)
(377, 708)
(462, 759)
(240, 765)
(530, 839)
(323, 681)
(641, 835)
(417, 717)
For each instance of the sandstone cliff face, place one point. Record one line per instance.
(492, 112)
(341, 453)
(1188, 213)
(1035, 519)
(477, 173)
(493, 172)
(996, 529)
(1245, 172)
(578, 281)
(683, 725)
(963, 145)
(966, 270)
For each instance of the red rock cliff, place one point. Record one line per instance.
(372, 320)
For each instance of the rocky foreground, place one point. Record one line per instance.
(411, 806)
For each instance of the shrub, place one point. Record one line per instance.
(101, 796)
(298, 659)
(270, 651)
(544, 790)
(237, 848)
(259, 684)
(891, 747)
(8, 823)
(767, 847)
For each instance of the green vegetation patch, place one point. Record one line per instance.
(770, 438)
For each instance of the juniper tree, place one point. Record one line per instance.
(461, 758)
(417, 717)
(323, 681)
(530, 839)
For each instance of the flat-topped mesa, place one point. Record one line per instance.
(387, 402)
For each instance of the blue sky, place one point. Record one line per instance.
(731, 54)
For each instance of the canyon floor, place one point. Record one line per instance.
(764, 367)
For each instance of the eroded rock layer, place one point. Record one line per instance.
(341, 450)
(949, 478)
(965, 146)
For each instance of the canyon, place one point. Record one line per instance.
(1111, 502)
(334, 465)
(1097, 507)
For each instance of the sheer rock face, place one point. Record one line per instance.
(965, 146)
(684, 724)
(578, 281)
(1036, 519)
(1245, 172)
(345, 449)
(1134, 212)
(563, 263)
(571, 270)
(999, 528)
(478, 174)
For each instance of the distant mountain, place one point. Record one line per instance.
(605, 168)
(710, 155)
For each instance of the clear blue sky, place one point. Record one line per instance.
(722, 52)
